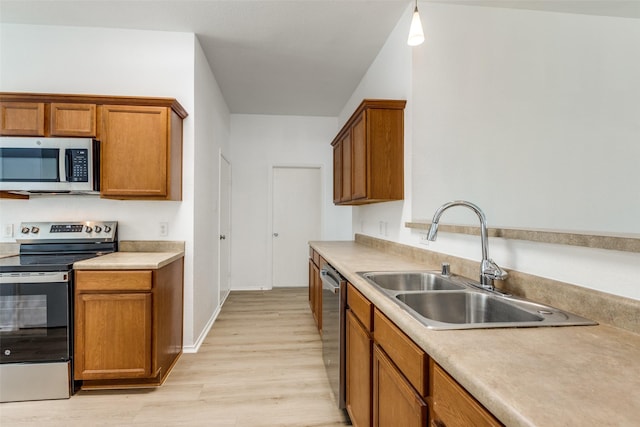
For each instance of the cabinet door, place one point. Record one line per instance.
(317, 296)
(113, 336)
(22, 118)
(134, 152)
(312, 287)
(358, 372)
(345, 194)
(73, 119)
(395, 402)
(337, 173)
(359, 160)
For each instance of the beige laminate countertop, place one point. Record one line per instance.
(129, 261)
(547, 376)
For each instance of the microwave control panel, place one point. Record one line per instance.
(78, 165)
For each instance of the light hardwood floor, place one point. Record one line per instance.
(260, 365)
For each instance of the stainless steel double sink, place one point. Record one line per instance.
(454, 302)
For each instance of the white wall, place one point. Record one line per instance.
(518, 100)
(438, 83)
(54, 59)
(212, 129)
(258, 143)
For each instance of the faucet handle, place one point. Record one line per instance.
(491, 270)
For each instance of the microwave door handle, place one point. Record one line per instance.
(67, 165)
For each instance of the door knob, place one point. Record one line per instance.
(275, 234)
(223, 237)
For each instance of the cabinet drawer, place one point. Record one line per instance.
(407, 356)
(87, 280)
(453, 406)
(360, 306)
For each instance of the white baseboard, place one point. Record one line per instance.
(196, 346)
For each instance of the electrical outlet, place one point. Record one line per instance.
(164, 229)
(7, 230)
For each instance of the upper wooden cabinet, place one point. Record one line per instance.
(141, 153)
(22, 118)
(141, 138)
(368, 162)
(47, 119)
(72, 119)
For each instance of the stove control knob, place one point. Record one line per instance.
(35, 230)
(97, 228)
(88, 229)
(107, 229)
(25, 230)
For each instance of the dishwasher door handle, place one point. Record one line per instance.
(328, 282)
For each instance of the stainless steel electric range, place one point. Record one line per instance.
(36, 306)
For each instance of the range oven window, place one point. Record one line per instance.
(23, 312)
(34, 322)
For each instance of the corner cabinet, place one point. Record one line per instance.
(368, 154)
(128, 326)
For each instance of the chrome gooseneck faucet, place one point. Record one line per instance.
(489, 270)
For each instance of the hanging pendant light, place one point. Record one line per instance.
(416, 35)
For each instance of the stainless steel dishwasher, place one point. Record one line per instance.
(334, 297)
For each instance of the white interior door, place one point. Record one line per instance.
(225, 228)
(296, 220)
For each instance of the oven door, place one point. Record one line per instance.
(35, 317)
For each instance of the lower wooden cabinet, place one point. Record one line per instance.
(315, 287)
(119, 347)
(128, 326)
(395, 402)
(392, 382)
(358, 371)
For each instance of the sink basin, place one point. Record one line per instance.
(412, 281)
(455, 302)
(466, 307)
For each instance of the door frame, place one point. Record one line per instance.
(272, 167)
(223, 158)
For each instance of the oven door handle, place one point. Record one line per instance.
(328, 282)
(19, 278)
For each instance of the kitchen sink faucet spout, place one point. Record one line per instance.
(489, 270)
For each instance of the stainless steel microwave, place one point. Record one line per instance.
(49, 165)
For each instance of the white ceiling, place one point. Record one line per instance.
(296, 57)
